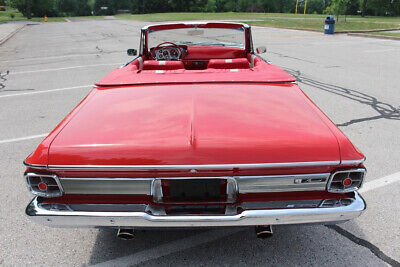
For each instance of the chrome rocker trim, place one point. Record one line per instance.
(68, 218)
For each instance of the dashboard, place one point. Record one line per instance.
(167, 53)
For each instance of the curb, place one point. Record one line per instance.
(374, 36)
(321, 31)
(366, 31)
(11, 34)
(285, 28)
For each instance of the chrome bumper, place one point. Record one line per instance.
(69, 218)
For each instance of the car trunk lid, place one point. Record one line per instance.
(195, 124)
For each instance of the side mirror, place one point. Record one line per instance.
(261, 50)
(131, 52)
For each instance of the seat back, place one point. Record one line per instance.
(234, 63)
(162, 65)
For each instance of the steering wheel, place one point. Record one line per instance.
(170, 44)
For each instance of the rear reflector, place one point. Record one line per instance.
(346, 180)
(44, 185)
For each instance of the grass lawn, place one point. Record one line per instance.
(210, 16)
(7, 16)
(279, 20)
(349, 25)
(391, 34)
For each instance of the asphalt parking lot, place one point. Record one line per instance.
(47, 69)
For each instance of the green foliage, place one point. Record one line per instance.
(11, 3)
(315, 6)
(111, 7)
(39, 8)
(337, 7)
(383, 7)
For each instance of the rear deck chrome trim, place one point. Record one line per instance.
(282, 183)
(353, 162)
(196, 167)
(36, 166)
(243, 184)
(67, 218)
(107, 186)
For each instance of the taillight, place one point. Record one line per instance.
(44, 185)
(346, 180)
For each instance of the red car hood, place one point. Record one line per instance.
(195, 124)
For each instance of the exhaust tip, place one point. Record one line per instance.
(264, 231)
(126, 234)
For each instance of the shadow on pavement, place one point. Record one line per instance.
(290, 245)
(383, 110)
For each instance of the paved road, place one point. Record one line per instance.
(47, 69)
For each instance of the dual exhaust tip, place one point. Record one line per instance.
(262, 232)
(126, 233)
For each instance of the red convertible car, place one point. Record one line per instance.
(196, 131)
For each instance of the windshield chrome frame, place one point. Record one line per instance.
(145, 30)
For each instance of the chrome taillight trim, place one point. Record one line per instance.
(346, 190)
(60, 191)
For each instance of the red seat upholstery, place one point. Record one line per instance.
(234, 63)
(162, 65)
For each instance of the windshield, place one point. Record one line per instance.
(198, 36)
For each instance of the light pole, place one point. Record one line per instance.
(305, 7)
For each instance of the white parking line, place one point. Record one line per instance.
(379, 50)
(22, 138)
(171, 247)
(66, 68)
(381, 182)
(47, 91)
(47, 58)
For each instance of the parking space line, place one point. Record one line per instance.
(66, 68)
(22, 138)
(54, 57)
(379, 50)
(169, 248)
(381, 182)
(46, 91)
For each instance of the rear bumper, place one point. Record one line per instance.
(54, 217)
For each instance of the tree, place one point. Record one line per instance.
(104, 7)
(68, 7)
(38, 8)
(83, 8)
(337, 7)
(11, 3)
(364, 8)
(315, 6)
